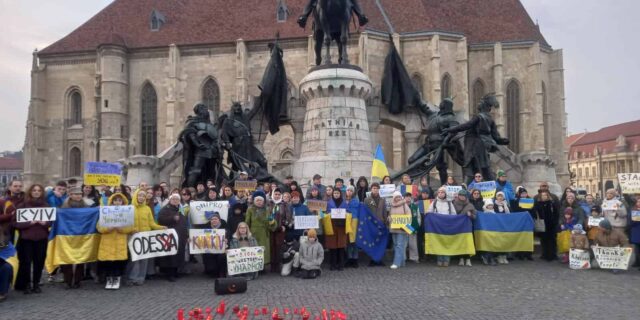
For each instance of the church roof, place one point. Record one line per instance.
(194, 22)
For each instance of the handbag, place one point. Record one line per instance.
(539, 225)
(230, 285)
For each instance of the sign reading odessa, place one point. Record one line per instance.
(102, 173)
(629, 182)
(206, 241)
(245, 260)
(198, 210)
(36, 214)
(151, 244)
(116, 216)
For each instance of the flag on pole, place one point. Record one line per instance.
(379, 166)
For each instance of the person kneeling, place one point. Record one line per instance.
(289, 254)
(311, 256)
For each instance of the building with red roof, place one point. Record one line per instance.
(123, 82)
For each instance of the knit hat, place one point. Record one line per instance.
(577, 229)
(487, 203)
(73, 190)
(605, 224)
(500, 193)
(568, 210)
(259, 193)
(397, 194)
(520, 190)
(501, 173)
(175, 195)
(463, 193)
(352, 188)
(211, 214)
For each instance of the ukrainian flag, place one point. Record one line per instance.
(504, 232)
(448, 235)
(423, 206)
(526, 203)
(10, 255)
(372, 235)
(73, 238)
(404, 189)
(379, 166)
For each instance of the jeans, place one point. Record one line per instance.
(413, 247)
(138, 270)
(400, 241)
(352, 251)
(6, 276)
(444, 259)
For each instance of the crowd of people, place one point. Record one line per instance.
(266, 217)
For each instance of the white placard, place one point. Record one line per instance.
(206, 241)
(245, 260)
(36, 214)
(116, 216)
(579, 259)
(452, 192)
(595, 221)
(338, 213)
(151, 244)
(306, 222)
(612, 257)
(610, 205)
(387, 190)
(197, 210)
(629, 182)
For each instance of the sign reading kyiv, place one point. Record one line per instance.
(36, 214)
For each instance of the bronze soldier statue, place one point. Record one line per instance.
(482, 137)
(201, 156)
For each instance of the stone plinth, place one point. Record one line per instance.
(538, 167)
(140, 168)
(336, 141)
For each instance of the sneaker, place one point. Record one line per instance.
(461, 263)
(109, 284)
(468, 264)
(393, 266)
(439, 263)
(116, 283)
(485, 260)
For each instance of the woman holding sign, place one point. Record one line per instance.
(170, 217)
(261, 223)
(399, 209)
(32, 243)
(614, 211)
(242, 238)
(143, 217)
(335, 238)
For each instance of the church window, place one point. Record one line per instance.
(75, 162)
(513, 115)
(546, 119)
(445, 87)
(478, 93)
(76, 107)
(149, 121)
(157, 20)
(416, 80)
(282, 12)
(211, 97)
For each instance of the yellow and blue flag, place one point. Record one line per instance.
(372, 235)
(504, 232)
(379, 166)
(404, 189)
(526, 203)
(423, 206)
(448, 235)
(73, 238)
(10, 256)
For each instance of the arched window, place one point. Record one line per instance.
(149, 120)
(513, 115)
(211, 97)
(445, 87)
(416, 80)
(75, 162)
(546, 119)
(282, 11)
(478, 93)
(75, 107)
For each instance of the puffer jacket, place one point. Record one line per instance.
(442, 206)
(398, 208)
(464, 207)
(612, 239)
(143, 216)
(113, 242)
(311, 255)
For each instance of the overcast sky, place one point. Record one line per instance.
(599, 39)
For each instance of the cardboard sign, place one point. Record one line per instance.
(579, 259)
(400, 220)
(338, 213)
(635, 215)
(306, 222)
(613, 258)
(452, 192)
(198, 209)
(116, 216)
(387, 190)
(151, 244)
(487, 189)
(206, 241)
(102, 173)
(610, 205)
(245, 260)
(248, 185)
(36, 214)
(595, 221)
(629, 182)
(317, 205)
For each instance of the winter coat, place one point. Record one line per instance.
(233, 222)
(378, 207)
(166, 217)
(261, 224)
(507, 189)
(311, 255)
(614, 238)
(338, 239)
(398, 208)
(241, 243)
(635, 230)
(501, 206)
(477, 203)
(288, 250)
(353, 206)
(579, 217)
(295, 210)
(617, 216)
(54, 201)
(113, 243)
(579, 241)
(442, 206)
(68, 203)
(212, 261)
(143, 216)
(464, 207)
(33, 231)
(547, 211)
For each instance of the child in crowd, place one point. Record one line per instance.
(488, 258)
(311, 256)
(112, 252)
(579, 238)
(567, 221)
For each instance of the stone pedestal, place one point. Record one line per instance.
(140, 168)
(538, 167)
(336, 140)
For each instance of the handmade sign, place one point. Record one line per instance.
(579, 259)
(635, 215)
(306, 222)
(248, 185)
(116, 216)
(317, 205)
(338, 213)
(102, 173)
(610, 205)
(151, 244)
(198, 210)
(612, 257)
(487, 189)
(206, 241)
(387, 190)
(629, 182)
(452, 192)
(595, 221)
(400, 220)
(245, 260)
(36, 214)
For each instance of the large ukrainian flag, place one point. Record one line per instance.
(379, 166)
(73, 238)
(503, 232)
(448, 235)
(10, 255)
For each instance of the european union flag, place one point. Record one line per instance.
(372, 235)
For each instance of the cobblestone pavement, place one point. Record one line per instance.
(522, 290)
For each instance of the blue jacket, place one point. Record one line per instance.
(507, 188)
(54, 201)
(298, 210)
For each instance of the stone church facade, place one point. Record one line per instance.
(123, 83)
